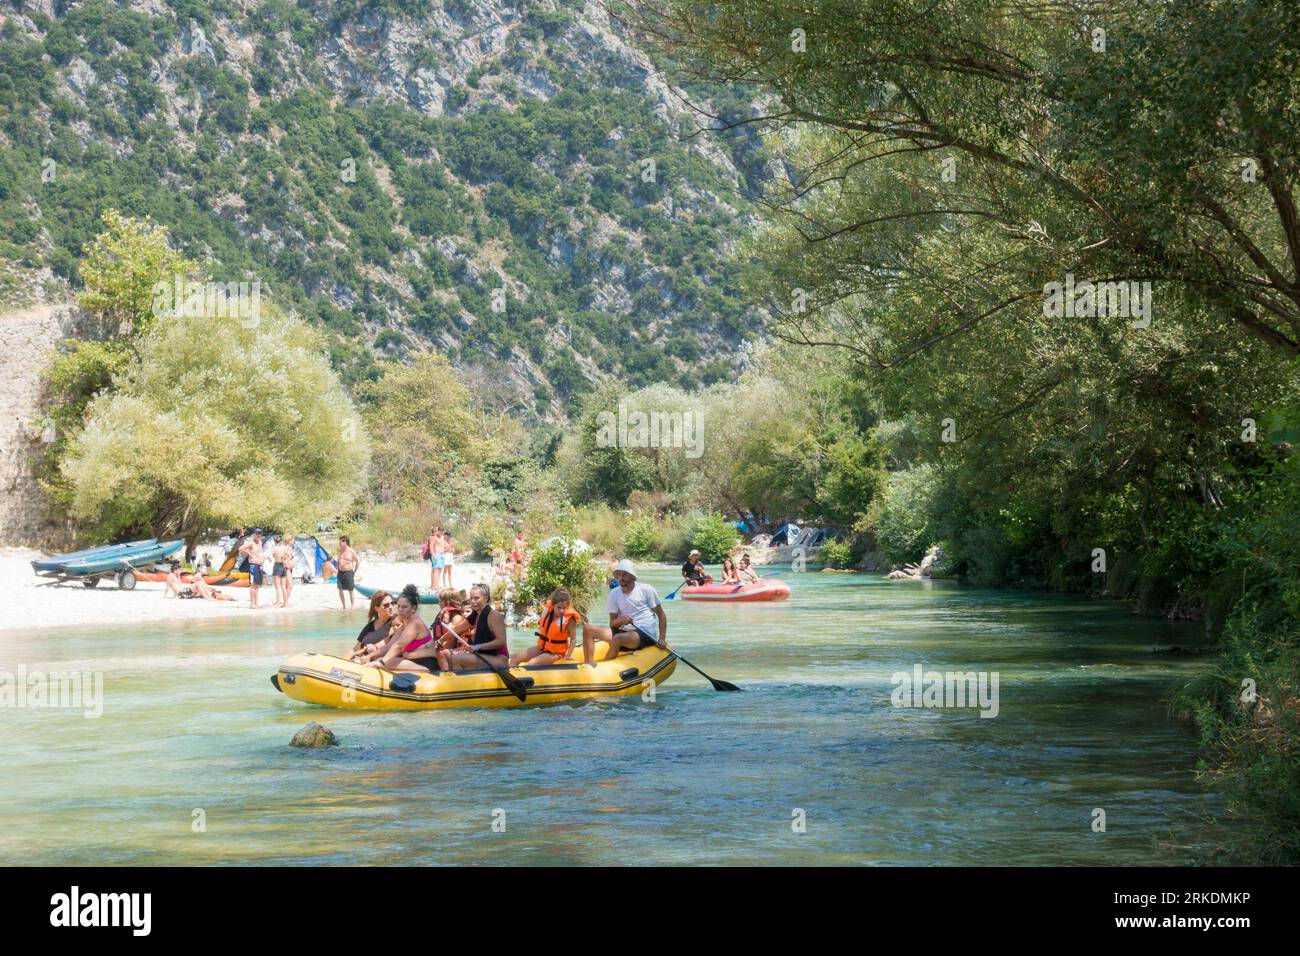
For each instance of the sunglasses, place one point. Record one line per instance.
(386, 604)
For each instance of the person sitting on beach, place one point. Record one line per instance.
(488, 637)
(375, 632)
(172, 586)
(745, 572)
(636, 617)
(693, 570)
(200, 588)
(729, 575)
(555, 632)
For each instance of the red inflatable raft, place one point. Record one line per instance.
(769, 590)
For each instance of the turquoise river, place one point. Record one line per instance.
(811, 764)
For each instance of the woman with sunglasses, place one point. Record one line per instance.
(375, 632)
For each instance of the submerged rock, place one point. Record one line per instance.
(314, 735)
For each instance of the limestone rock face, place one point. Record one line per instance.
(28, 339)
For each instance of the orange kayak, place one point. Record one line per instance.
(239, 580)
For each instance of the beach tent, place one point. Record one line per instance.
(309, 559)
(783, 535)
(801, 536)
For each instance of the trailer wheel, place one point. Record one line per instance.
(89, 582)
(126, 580)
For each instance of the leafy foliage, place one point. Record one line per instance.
(713, 536)
(219, 421)
(558, 565)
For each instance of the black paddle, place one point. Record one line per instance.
(515, 685)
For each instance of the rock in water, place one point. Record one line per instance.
(314, 735)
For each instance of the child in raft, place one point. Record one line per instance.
(556, 632)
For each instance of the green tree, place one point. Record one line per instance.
(219, 421)
(431, 441)
(123, 269)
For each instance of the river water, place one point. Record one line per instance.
(189, 762)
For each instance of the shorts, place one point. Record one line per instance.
(278, 571)
(646, 639)
(345, 580)
(437, 560)
(255, 575)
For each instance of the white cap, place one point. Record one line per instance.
(693, 552)
(626, 567)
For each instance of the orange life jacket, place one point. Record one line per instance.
(553, 634)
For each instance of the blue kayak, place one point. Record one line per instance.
(126, 557)
(55, 562)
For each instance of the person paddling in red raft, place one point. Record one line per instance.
(746, 573)
(693, 570)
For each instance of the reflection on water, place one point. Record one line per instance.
(192, 723)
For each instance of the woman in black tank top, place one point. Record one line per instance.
(489, 635)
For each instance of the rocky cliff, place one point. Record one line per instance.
(512, 182)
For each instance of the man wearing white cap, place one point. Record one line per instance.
(693, 570)
(636, 616)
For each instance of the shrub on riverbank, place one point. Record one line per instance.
(837, 554)
(558, 565)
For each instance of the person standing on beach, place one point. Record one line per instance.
(349, 561)
(252, 551)
(277, 569)
(448, 558)
(433, 554)
(289, 557)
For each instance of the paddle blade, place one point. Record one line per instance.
(513, 683)
(516, 688)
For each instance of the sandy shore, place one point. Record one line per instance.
(29, 602)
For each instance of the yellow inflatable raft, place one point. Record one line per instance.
(335, 682)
